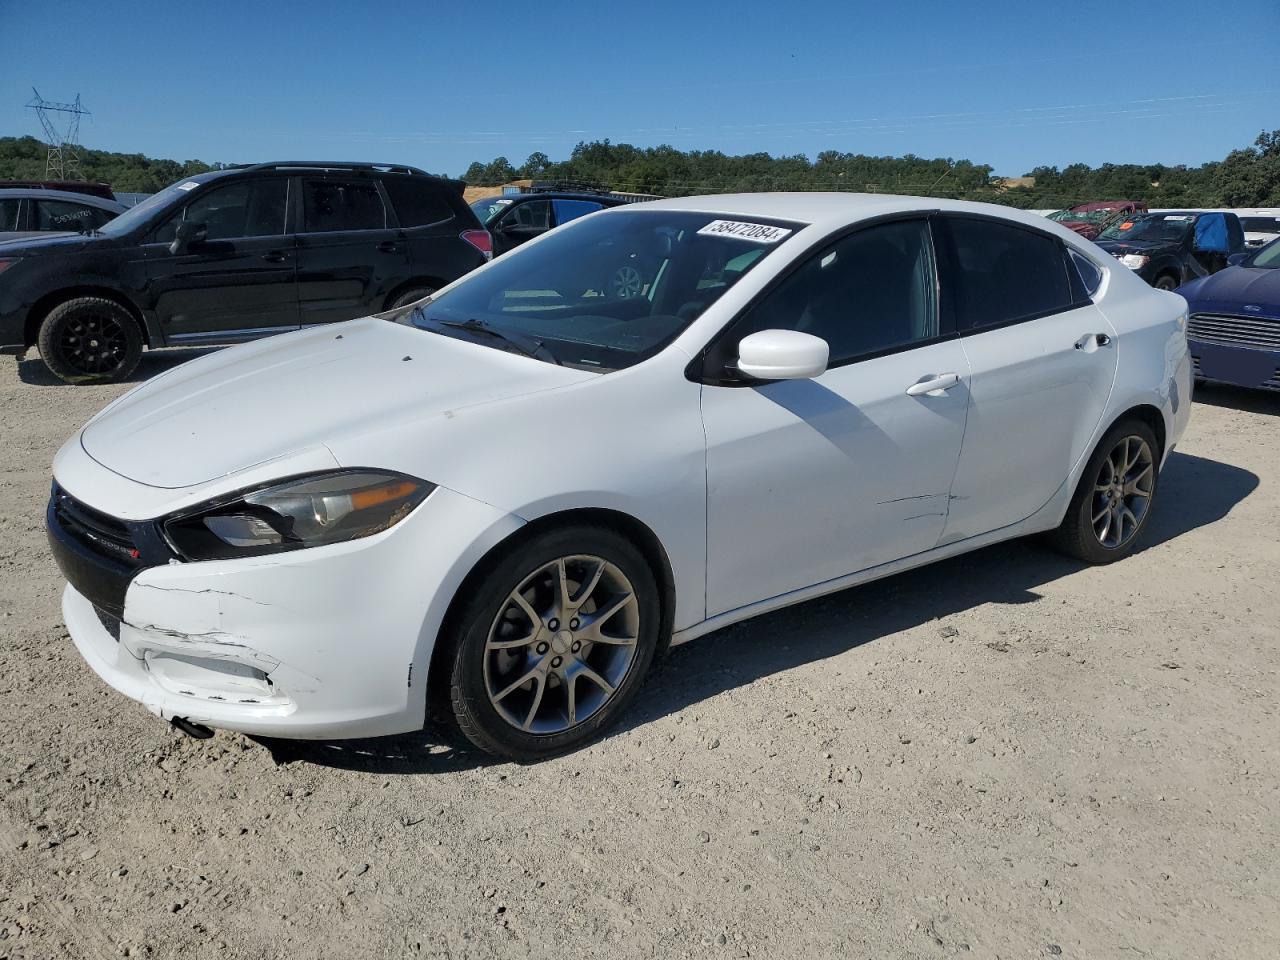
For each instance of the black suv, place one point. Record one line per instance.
(1174, 247)
(233, 255)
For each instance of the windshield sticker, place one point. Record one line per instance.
(755, 232)
(1177, 218)
(503, 203)
(189, 185)
(1127, 225)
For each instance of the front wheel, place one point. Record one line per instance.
(411, 296)
(553, 643)
(90, 340)
(1114, 499)
(1166, 281)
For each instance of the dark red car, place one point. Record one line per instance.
(1090, 219)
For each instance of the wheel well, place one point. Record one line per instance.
(1152, 417)
(40, 309)
(431, 282)
(638, 533)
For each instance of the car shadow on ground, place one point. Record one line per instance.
(1194, 492)
(1238, 398)
(33, 371)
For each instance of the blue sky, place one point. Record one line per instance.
(438, 85)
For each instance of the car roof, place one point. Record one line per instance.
(833, 209)
(554, 195)
(36, 193)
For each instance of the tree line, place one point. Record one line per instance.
(1244, 178)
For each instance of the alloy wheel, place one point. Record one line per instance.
(93, 344)
(562, 644)
(627, 283)
(1122, 492)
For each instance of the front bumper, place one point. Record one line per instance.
(1243, 366)
(329, 642)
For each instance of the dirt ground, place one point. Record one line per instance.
(1004, 755)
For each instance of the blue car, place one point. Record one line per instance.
(1234, 325)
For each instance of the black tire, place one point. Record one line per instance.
(1166, 281)
(487, 609)
(90, 340)
(1077, 536)
(410, 296)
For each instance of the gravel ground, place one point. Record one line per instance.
(1004, 755)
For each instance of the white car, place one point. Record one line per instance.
(1261, 225)
(508, 498)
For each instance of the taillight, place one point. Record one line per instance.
(481, 240)
(6, 264)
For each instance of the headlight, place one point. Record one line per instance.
(1134, 261)
(303, 512)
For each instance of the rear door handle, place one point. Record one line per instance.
(1091, 341)
(934, 387)
(275, 256)
(389, 246)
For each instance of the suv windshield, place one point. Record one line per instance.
(604, 292)
(144, 211)
(1260, 224)
(1162, 227)
(489, 207)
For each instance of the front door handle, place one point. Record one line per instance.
(389, 246)
(275, 256)
(1092, 341)
(935, 386)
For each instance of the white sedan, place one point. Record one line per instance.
(507, 499)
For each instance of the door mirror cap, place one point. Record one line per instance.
(1236, 259)
(782, 355)
(186, 234)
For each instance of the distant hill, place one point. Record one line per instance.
(23, 158)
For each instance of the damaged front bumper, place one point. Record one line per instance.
(328, 642)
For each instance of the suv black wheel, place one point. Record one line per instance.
(1114, 499)
(1166, 281)
(90, 340)
(553, 643)
(411, 296)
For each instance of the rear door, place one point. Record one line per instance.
(351, 252)
(238, 284)
(1043, 360)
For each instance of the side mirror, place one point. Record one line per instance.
(782, 355)
(186, 235)
(1236, 259)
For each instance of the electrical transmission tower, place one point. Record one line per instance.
(63, 162)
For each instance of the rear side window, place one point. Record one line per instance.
(333, 205)
(416, 201)
(567, 210)
(1004, 274)
(9, 210)
(1087, 272)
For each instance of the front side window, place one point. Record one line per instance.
(566, 210)
(245, 208)
(532, 215)
(1090, 273)
(334, 205)
(871, 292)
(607, 293)
(1004, 273)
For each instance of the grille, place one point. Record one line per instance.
(1234, 331)
(93, 528)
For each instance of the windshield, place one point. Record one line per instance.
(604, 292)
(1268, 256)
(488, 208)
(1162, 227)
(1260, 224)
(141, 213)
(1080, 216)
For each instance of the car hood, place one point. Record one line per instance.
(28, 244)
(267, 400)
(1238, 289)
(1148, 247)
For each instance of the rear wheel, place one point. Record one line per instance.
(1115, 495)
(90, 340)
(554, 643)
